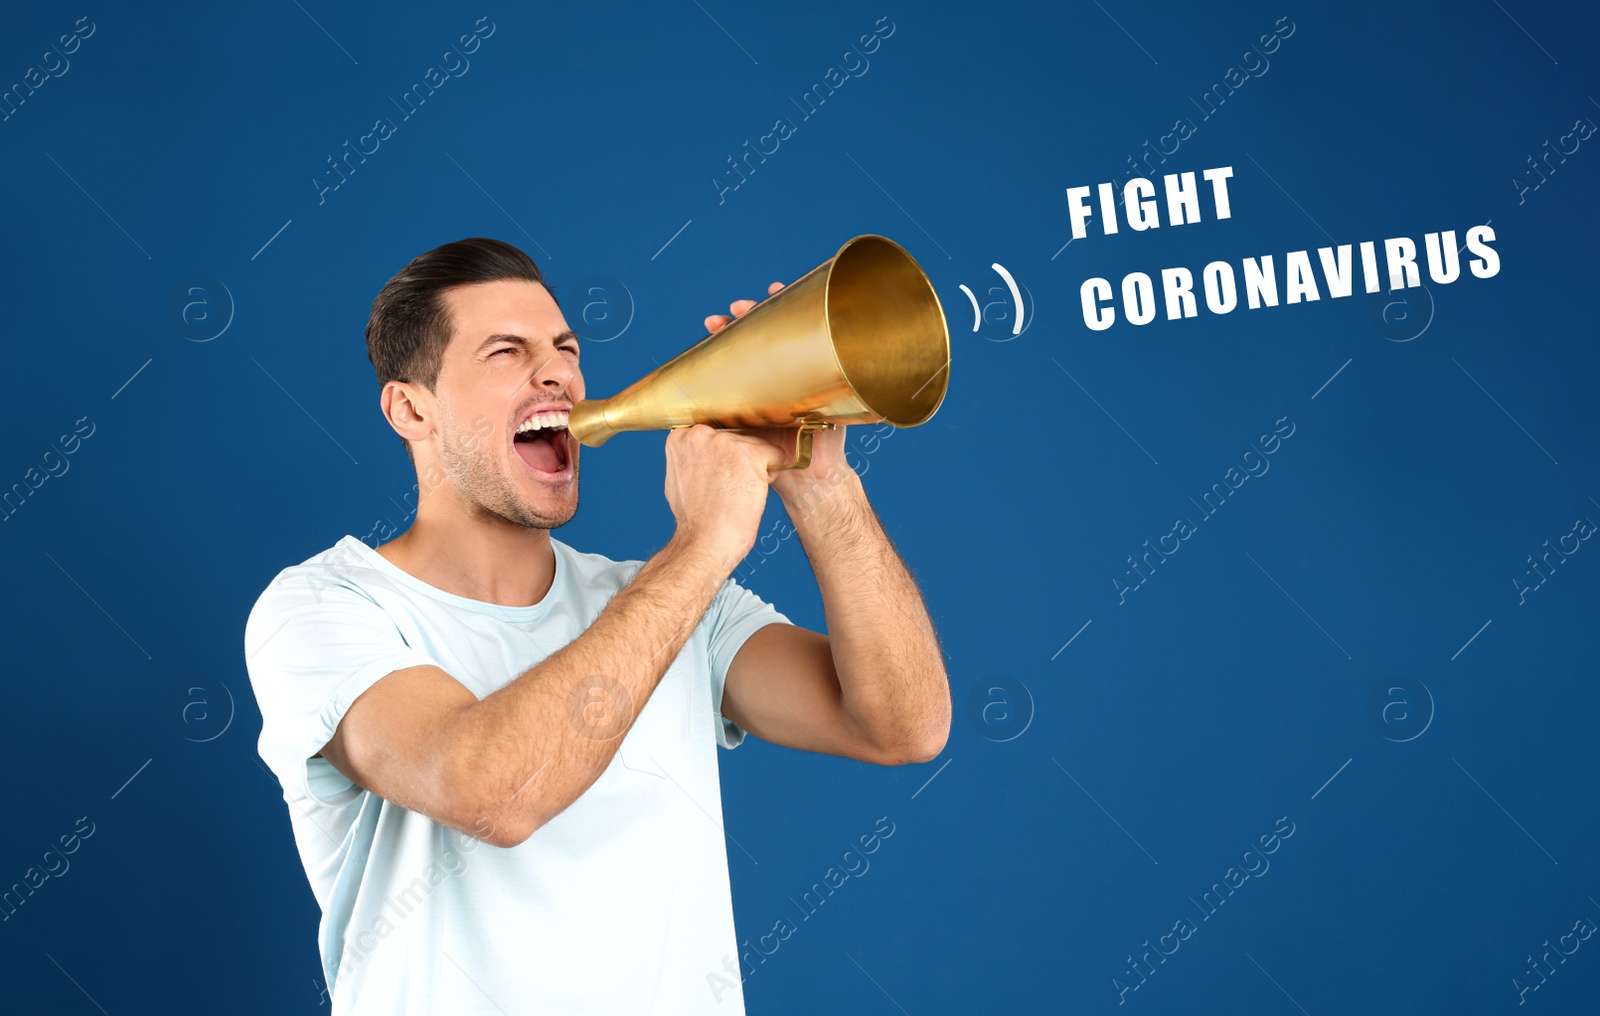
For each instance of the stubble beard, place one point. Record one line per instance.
(487, 491)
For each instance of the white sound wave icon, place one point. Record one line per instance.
(1016, 297)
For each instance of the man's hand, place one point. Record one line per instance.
(738, 308)
(716, 486)
(827, 445)
(874, 688)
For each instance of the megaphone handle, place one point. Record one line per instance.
(802, 446)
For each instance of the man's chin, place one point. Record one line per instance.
(553, 504)
(529, 514)
(549, 497)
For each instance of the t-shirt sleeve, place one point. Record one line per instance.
(313, 643)
(735, 614)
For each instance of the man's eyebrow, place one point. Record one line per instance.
(565, 336)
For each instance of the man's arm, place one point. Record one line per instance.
(874, 688)
(500, 767)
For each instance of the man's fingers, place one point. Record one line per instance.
(738, 308)
(748, 439)
(775, 443)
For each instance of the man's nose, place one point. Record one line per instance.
(554, 372)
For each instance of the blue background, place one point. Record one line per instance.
(1082, 808)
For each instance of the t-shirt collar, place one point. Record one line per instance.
(399, 575)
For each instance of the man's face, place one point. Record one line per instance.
(511, 359)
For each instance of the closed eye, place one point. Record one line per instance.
(568, 347)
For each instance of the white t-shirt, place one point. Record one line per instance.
(620, 904)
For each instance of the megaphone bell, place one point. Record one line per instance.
(861, 338)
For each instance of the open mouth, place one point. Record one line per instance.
(544, 444)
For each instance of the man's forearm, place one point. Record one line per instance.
(891, 669)
(531, 748)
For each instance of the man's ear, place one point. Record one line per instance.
(409, 409)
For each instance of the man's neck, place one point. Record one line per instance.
(492, 561)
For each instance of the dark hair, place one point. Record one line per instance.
(410, 325)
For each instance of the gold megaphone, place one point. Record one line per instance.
(861, 338)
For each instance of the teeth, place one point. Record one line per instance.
(543, 421)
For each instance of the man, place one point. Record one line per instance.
(500, 752)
